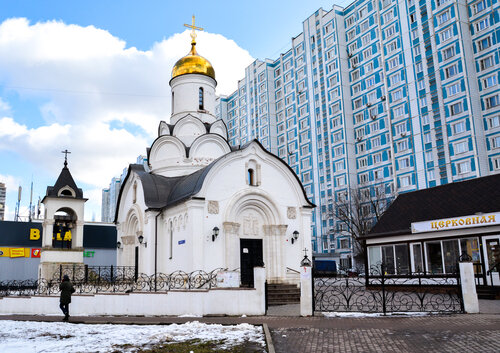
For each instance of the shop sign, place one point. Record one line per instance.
(34, 234)
(15, 252)
(486, 219)
(88, 253)
(36, 252)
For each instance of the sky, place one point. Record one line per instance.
(92, 77)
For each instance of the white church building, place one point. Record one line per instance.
(206, 205)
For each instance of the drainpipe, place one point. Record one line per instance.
(156, 245)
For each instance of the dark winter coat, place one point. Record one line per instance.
(66, 289)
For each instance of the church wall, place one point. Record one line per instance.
(278, 190)
(175, 240)
(187, 87)
(128, 238)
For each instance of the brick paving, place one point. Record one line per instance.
(435, 333)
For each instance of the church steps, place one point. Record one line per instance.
(281, 294)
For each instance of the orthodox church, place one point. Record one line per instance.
(205, 205)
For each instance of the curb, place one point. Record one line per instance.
(269, 340)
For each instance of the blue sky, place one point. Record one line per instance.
(92, 76)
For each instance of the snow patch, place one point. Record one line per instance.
(60, 337)
(394, 314)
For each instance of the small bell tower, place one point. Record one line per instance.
(62, 240)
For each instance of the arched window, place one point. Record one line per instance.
(172, 102)
(251, 177)
(200, 98)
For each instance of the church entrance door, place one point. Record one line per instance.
(250, 256)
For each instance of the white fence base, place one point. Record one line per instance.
(218, 301)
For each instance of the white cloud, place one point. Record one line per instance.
(4, 106)
(87, 80)
(11, 182)
(86, 74)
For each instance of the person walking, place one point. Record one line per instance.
(66, 290)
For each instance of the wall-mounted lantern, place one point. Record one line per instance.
(215, 233)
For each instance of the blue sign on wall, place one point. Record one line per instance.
(181, 241)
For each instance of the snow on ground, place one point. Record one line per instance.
(54, 337)
(357, 314)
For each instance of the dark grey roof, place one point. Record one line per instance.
(162, 192)
(65, 179)
(446, 201)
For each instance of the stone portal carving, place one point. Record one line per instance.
(250, 225)
(213, 207)
(291, 212)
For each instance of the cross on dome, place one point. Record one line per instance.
(193, 27)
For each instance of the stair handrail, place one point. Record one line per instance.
(292, 270)
(490, 271)
(494, 266)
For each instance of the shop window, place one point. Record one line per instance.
(451, 254)
(388, 259)
(434, 257)
(471, 247)
(418, 265)
(402, 261)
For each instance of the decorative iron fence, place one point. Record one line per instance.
(114, 281)
(96, 274)
(382, 293)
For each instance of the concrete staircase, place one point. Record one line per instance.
(488, 292)
(282, 294)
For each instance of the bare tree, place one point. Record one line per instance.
(357, 210)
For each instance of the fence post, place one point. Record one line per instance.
(60, 273)
(382, 282)
(259, 275)
(86, 274)
(306, 288)
(468, 286)
(266, 298)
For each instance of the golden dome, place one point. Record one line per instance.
(193, 64)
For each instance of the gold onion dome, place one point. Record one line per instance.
(193, 64)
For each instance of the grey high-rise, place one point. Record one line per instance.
(380, 96)
(3, 191)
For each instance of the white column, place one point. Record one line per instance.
(259, 275)
(48, 230)
(77, 242)
(306, 291)
(469, 295)
(232, 245)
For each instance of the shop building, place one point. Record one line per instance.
(21, 244)
(426, 231)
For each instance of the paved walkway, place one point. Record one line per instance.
(434, 333)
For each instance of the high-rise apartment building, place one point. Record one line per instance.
(3, 191)
(109, 200)
(110, 194)
(381, 97)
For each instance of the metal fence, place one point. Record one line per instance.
(112, 280)
(382, 293)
